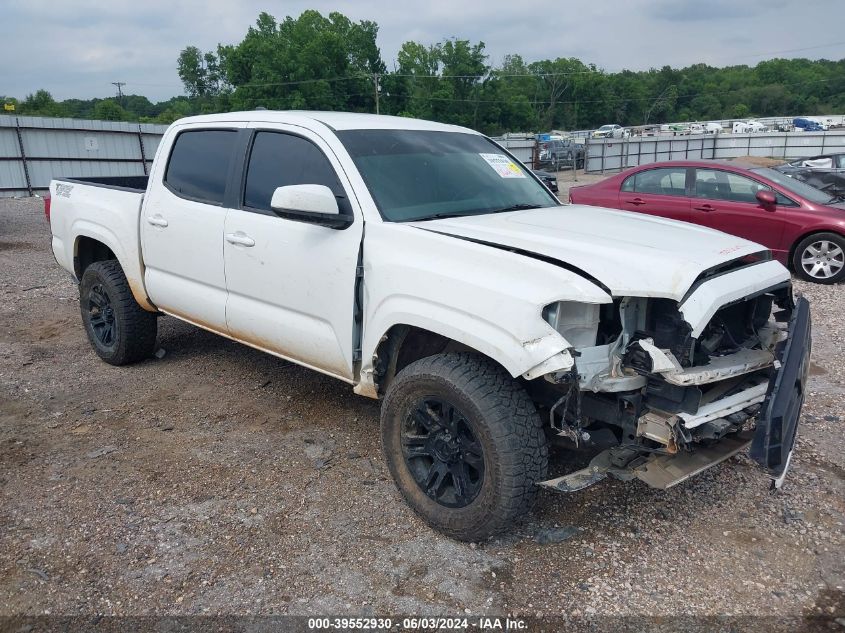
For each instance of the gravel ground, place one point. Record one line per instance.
(218, 479)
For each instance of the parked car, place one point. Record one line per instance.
(679, 129)
(744, 127)
(711, 127)
(611, 131)
(562, 153)
(473, 303)
(549, 179)
(803, 226)
(825, 172)
(807, 125)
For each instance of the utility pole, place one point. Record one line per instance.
(119, 85)
(375, 88)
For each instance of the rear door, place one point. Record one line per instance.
(727, 201)
(182, 222)
(660, 191)
(292, 284)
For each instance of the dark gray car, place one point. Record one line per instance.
(825, 172)
(561, 153)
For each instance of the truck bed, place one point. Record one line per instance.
(125, 183)
(103, 209)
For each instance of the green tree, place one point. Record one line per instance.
(313, 62)
(41, 103)
(200, 72)
(110, 110)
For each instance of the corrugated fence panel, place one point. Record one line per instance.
(42, 172)
(9, 147)
(43, 143)
(12, 179)
(521, 148)
(71, 147)
(616, 154)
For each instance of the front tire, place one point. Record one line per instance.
(464, 444)
(820, 258)
(120, 330)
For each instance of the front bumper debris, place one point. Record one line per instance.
(657, 470)
(772, 442)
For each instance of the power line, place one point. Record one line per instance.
(792, 50)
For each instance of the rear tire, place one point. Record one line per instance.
(120, 330)
(464, 444)
(820, 258)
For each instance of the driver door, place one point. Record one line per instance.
(291, 283)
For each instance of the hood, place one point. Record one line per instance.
(631, 254)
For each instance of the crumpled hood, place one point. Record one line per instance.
(630, 253)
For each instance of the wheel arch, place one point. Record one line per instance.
(91, 246)
(820, 229)
(404, 343)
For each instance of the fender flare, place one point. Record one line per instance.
(134, 271)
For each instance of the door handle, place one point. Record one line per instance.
(705, 207)
(240, 239)
(156, 220)
(636, 201)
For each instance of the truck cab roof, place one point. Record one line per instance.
(333, 120)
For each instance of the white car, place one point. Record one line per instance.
(611, 131)
(745, 127)
(424, 266)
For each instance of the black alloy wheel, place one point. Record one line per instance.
(443, 453)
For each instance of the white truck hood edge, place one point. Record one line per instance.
(631, 254)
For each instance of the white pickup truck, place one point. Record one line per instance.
(423, 265)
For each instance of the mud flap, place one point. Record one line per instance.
(780, 413)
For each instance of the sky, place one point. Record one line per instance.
(76, 48)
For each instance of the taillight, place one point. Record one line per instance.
(47, 206)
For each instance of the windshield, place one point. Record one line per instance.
(606, 127)
(795, 186)
(423, 175)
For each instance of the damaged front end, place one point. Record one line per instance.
(668, 387)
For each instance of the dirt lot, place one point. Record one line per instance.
(218, 479)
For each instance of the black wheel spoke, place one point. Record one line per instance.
(460, 480)
(473, 458)
(442, 452)
(96, 297)
(416, 446)
(436, 478)
(101, 316)
(427, 419)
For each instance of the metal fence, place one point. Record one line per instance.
(616, 154)
(34, 150)
(523, 147)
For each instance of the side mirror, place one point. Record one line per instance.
(315, 204)
(766, 198)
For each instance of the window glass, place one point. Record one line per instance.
(422, 175)
(199, 164)
(667, 181)
(715, 184)
(796, 186)
(840, 161)
(628, 183)
(279, 160)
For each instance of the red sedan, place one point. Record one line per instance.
(803, 226)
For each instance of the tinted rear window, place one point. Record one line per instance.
(199, 164)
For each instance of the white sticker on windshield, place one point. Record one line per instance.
(503, 166)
